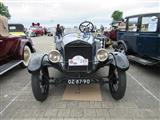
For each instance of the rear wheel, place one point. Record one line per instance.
(117, 82)
(26, 56)
(40, 84)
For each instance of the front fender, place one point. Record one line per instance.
(35, 62)
(119, 60)
(22, 44)
(39, 60)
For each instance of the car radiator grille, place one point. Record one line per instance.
(78, 48)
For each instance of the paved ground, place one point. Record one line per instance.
(141, 101)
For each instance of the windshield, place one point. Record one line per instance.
(32, 28)
(15, 28)
(35, 28)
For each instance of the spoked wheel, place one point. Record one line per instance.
(26, 56)
(40, 84)
(117, 82)
(122, 47)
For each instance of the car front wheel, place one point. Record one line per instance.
(26, 56)
(40, 84)
(122, 47)
(117, 82)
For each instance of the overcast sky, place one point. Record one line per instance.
(73, 12)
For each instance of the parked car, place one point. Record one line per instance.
(50, 31)
(112, 34)
(14, 50)
(16, 30)
(108, 41)
(115, 27)
(141, 38)
(35, 30)
(77, 57)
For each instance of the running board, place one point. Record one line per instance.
(142, 61)
(8, 66)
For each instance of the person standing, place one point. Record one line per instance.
(102, 29)
(62, 28)
(58, 31)
(45, 30)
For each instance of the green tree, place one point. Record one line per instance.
(117, 15)
(4, 11)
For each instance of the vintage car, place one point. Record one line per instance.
(115, 27)
(14, 50)
(50, 31)
(16, 30)
(77, 56)
(35, 30)
(112, 34)
(141, 38)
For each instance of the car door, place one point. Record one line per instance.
(121, 30)
(2, 48)
(131, 35)
(8, 46)
(149, 37)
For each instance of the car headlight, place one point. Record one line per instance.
(102, 55)
(54, 56)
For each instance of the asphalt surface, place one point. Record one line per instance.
(141, 101)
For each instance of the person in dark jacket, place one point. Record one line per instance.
(58, 31)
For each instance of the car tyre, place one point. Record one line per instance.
(117, 82)
(122, 47)
(26, 56)
(40, 84)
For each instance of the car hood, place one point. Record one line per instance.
(77, 36)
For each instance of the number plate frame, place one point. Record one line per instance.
(78, 81)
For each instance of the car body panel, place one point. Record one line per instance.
(12, 48)
(35, 62)
(149, 44)
(140, 42)
(9, 46)
(120, 60)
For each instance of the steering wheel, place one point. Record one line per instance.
(86, 26)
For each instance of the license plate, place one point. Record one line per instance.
(78, 61)
(78, 81)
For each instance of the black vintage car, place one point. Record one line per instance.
(141, 38)
(78, 56)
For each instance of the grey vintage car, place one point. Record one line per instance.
(77, 56)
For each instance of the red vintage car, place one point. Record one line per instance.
(14, 50)
(35, 30)
(111, 34)
(116, 26)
